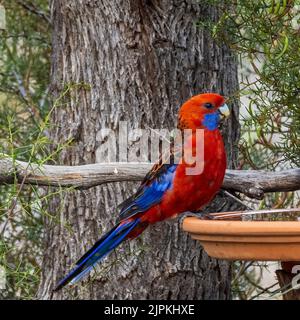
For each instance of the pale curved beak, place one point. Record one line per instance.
(224, 111)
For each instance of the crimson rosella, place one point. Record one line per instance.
(169, 189)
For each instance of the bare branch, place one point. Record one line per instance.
(254, 183)
(33, 9)
(250, 182)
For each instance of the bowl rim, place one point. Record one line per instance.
(232, 227)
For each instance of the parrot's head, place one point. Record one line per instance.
(203, 111)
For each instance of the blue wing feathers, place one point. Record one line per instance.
(150, 192)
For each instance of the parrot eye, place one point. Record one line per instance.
(208, 105)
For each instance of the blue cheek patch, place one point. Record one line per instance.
(211, 120)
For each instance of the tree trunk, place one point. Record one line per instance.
(142, 59)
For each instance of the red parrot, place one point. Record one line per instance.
(168, 189)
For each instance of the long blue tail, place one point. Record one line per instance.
(99, 250)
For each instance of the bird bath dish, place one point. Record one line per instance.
(261, 240)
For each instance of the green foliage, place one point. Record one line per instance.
(265, 36)
(24, 58)
(24, 80)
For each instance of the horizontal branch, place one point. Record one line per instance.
(250, 182)
(254, 183)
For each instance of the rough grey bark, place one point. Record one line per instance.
(142, 60)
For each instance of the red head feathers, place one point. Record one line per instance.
(202, 111)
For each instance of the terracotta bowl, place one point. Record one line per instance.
(247, 240)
